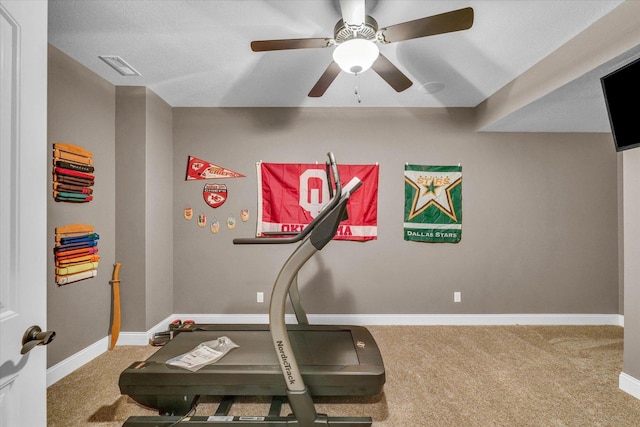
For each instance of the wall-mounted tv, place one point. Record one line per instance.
(622, 95)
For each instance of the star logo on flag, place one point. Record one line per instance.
(432, 191)
(430, 188)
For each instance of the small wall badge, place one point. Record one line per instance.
(215, 226)
(231, 223)
(202, 220)
(214, 194)
(188, 213)
(244, 215)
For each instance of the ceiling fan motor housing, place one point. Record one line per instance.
(367, 30)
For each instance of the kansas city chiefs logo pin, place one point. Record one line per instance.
(214, 194)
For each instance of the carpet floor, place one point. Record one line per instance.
(436, 376)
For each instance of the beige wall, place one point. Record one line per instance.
(131, 203)
(631, 256)
(159, 219)
(144, 205)
(81, 111)
(131, 210)
(539, 215)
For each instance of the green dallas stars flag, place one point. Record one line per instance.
(433, 203)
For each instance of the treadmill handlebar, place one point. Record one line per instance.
(352, 186)
(305, 231)
(326, 230)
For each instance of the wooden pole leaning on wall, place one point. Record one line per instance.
(115, 315)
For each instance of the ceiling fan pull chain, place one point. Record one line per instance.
(357, 92)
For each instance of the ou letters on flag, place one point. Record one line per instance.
(292, 194)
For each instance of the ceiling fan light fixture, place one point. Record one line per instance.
(356, 56)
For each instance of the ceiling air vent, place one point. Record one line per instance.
(120, 65)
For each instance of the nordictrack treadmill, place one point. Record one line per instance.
(291, 362)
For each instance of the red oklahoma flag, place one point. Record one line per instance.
(292, 194)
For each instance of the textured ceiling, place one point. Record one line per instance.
(196, 53)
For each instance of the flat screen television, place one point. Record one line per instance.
(622, 95)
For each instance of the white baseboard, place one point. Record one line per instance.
(418, 319)
(467, 319)
(70, 364)
(630, 385)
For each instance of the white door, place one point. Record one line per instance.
(23, 214)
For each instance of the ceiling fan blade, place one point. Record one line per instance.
(266, 45)
(391, 74)
(456, 20)
(325, 80)
(352, 11)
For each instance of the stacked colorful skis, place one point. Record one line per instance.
(72, 173)
(76, 253)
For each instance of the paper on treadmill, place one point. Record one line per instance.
(204, 354)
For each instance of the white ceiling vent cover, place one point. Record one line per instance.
(120, 65)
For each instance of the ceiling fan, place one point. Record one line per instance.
(355, 37)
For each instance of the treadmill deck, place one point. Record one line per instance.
(333, 360)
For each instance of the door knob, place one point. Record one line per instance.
(34, 336)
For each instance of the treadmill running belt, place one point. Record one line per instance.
(256, 348)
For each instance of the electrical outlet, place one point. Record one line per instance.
(260, 297)
(457, 296)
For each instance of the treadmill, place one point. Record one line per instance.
(289, 362)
